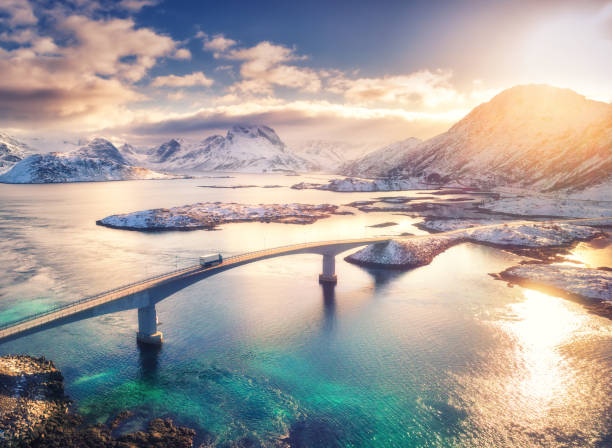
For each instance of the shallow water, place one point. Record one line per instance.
(443, 355)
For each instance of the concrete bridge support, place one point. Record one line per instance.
(328, 276)
(147, 326)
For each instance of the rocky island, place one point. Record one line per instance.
(208, 215)
(542, 241)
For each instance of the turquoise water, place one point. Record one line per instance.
(439, 356)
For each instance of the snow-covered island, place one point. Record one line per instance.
(537, 240)
(352, 184)
(208, 215)
(534, 205)
(567, 281)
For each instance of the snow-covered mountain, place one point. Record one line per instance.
(253, 149)
(378, 163)
(97, 161)
(535, 136)
(11, 151)
(328, 155)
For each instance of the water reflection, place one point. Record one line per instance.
(329, 308)
(383, 277)
(148, 362)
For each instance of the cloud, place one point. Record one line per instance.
(192, 79)
(422, 88)
(182, 53)
(321, 118)
(136, 5)
(91, 72)
(219, 43)
(265, 65)
(18, 12)
(176, 96)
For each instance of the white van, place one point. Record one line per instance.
(210, 260)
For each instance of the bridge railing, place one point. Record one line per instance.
(68, 306)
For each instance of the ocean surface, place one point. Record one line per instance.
(439, 356)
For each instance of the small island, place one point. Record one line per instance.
(209, 215)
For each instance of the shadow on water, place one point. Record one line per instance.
(329, 308)
(383, 277)
(148, 360)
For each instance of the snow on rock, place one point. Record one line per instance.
(531, 136)
(326, 155)
(586, 283)
(530, 235)
(250, 149)
(561, 206)
(419, 251)
(12, 151)
(378, 163)
(98, 161)
(407, 253)
(351, 184)
(207, 215)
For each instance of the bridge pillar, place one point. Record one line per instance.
(329, 270)
(147, 326)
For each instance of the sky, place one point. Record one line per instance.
(364, 72)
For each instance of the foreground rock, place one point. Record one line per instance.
(543, 241)
(34, 413)
(208, 215)
(351, 184)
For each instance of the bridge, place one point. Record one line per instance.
(145, 294)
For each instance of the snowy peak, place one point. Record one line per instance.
(244, 148)
(11, 151)
(100, 148)
(254, 131)
(537, 137)
(166, 151)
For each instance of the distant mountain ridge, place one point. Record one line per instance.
(534, 136)
(252, 148)
(97, 161)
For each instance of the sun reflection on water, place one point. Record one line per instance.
(542, 326)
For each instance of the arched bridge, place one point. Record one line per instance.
(143, 295)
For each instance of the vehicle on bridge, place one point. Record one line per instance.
(210, 260)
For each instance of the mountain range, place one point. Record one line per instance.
(99, 160)
(535, 137)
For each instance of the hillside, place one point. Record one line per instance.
(537, 137)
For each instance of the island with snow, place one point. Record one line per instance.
(540, 241)
(209, 215)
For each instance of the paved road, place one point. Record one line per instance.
(30, 322)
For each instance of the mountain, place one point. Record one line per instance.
(534, 136)
(381, 161)
(244, 148)
(11, 151)
(166, 151)
(329, 155)
(97, 161)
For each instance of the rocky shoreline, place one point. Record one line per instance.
(35, 412)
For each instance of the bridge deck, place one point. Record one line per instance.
(37, 320)
(31, 322)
